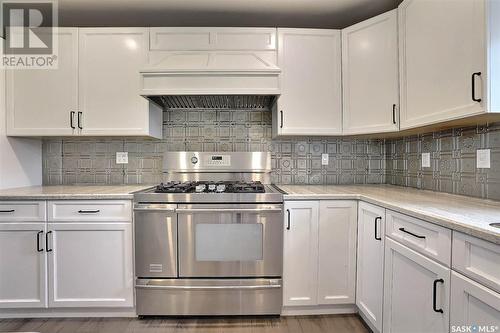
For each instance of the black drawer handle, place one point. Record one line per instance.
(434, 296)
(281, 120)
(47, 242)
(38, 248)
(88, 211)
(288, 221)
(378, 218)
(478, 74)
(411, 233)
(8, 211)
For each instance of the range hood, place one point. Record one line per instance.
(205, 79)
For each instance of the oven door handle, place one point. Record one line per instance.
(227, 210)
(151, 208)
(267, 286)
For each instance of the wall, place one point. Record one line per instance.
(20, 159)
(453, 161)
(295, 161)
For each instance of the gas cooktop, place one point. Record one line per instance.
(211, 187)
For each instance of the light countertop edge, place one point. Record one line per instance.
(451, 220)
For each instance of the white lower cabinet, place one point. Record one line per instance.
(337, 252)
(300, 253)
(473, 304)
(23, 265)
(416, 291)
(370, 264)
(319, 253)
(90, 264)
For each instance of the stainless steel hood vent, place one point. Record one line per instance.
(225, 102)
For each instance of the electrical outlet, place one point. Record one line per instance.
(426, 160)
(324, 159)
(121, 157)
(483, 158)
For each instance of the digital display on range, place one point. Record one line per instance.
(216, 158)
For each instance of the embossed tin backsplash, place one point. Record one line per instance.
(295, 161)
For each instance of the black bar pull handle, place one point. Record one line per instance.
(71, 119)
(288, 220)
(80, 120)
(8, 211)
(281, 118)
(88, 211)
(47, 242)
(478, 74)
(38, 248)
(394, 113)
(434, 295)
(378, 218)
(411, 233)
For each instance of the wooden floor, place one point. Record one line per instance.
(305, 324)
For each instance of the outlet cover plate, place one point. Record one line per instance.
(324, 159)
(483, 158)
(426, 160)
(121, 157)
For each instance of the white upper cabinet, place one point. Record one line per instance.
(109, 81)
(450, 60)
(370, 78)
(370, 264)
(337, 252)
(300, 253)
(310, 101)
(43, 102)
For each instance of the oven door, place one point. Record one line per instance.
(230, 240)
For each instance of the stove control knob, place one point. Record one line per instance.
(194, 159)
(221, 188)
(200, 188)
(211, 187)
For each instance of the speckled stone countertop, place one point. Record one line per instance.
(465, 214)
(86, 192)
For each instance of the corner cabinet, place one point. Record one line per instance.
(93, 92)
(370, 264)
(370, 77)
(449, 58)
(310, 101)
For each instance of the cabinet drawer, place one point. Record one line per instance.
(98, 211)
(477, 259)
(22, 211)
(424, 237)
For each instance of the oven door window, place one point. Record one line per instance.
(228, 242)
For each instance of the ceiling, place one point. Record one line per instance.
(238, 13)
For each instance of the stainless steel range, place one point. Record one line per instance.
(209, 240)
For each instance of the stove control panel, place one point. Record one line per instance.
(217, 160)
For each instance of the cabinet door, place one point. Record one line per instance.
(442, 44)
(370, 264)
(310, 101)
(90, 265)
(370, 77)
(110, 60)
(300, 255)
(473, 304)
(416, 291)
(337, 252)
(23, 269)
(40, 101)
